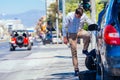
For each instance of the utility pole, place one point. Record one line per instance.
(63, 12)
(93, 17)
(57, 28)
(93, 10)
(46, 7)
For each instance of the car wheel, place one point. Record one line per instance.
(12, 48)
(105, 75)
(89, 63)
(31, 43)
(20, 39)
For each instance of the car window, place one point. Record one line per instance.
(19, 32)
(103, 21)
(118, 8)
(118, 1)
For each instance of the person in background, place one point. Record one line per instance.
(43, 31)
(73, 27)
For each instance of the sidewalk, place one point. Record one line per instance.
(61, 67)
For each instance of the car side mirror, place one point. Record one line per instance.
(93, 27)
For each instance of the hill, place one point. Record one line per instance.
(28, 18)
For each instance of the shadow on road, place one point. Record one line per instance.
(20, 50)
(83, 75)
(65, 76)
(87, 75)
(63, 56)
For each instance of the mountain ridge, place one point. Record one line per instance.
(28, 18)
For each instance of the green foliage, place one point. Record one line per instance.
(99, 7)
(71, 1)
(52, 13)
(85, 27)
(71, 5)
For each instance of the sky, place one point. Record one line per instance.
(20, 6)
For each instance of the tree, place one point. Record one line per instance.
(52, 14)
(99, 7)
(71, 5)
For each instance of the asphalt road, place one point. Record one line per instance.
(43, 62)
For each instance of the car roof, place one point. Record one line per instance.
(18, 30)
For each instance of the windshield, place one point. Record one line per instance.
(19, 32)
(118, 1)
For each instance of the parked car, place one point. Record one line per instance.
(31, 39)
(56, 40)
(19, 38)
(108, 41)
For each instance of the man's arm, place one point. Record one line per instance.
(65, 29)
(85, 19)
(88, 20)
(65, 26)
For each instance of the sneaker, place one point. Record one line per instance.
(85, 52)
(76, 72)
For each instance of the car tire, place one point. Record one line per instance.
(31, 43)
(89, 63)
(12, 48)
(87, 75)
(20, 39)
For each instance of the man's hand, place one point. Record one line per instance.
(65, 40)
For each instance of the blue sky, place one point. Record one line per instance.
(20, 6)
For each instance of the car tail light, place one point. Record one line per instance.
(26, 40)
(13, 40)
(111, 36)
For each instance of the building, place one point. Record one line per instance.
(7, 26)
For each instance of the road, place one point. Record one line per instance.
(43, 62)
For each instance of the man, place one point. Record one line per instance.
(73, 25)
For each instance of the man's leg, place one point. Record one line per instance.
(86, 39)
(73, 46)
